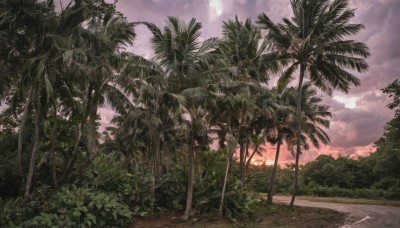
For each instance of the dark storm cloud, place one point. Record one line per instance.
(382, 33)
(362, 125)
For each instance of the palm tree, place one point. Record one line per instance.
(186, 62)
(247, 64)
(149, 123)
(315, 118)
(284, 129)
(97, 68)
(313, 39)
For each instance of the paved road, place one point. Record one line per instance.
(369, 216)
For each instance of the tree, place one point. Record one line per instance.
(187, 63)
(284, 130)
(37, 53)
(148, 125)
(248, 65)
(315, 118)
(387, 153)
(313, 39)
(54, 50)
(97, 68)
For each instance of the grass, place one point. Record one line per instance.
(352, 200)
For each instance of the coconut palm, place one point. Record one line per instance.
(284, 130)
(313, 39)
(97, 68)
(149, 124)
(248, 65)
(187, 66)
(315, 118)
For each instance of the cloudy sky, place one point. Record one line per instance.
(358, 117)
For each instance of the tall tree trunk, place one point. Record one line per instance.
(53, 154)
(191, 179)
(155, 171)
(92, 130)
(152, 183)
(35, 150)
(251, 156)
(299, 119)
(232, 142)
(79, 138)
(221, 204)
(244, 170)
(21, 133)
(273, 174)
(242, 162)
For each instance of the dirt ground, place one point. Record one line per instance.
(271, 216)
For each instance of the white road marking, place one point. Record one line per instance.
(367, 217)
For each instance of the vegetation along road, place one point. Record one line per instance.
(358, 215)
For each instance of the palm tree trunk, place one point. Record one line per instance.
(244, 170)
(232, 142)
(299, 119)
(155, 171)
(79, 138)
(242, 158)
(221, 204)
(53, 154)
(251, 156)
(33, 156)
(21, 132)
(152, 184)
(273, 174)
(189, 197)
(91, 136)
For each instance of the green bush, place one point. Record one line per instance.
(109, 174)
(335, 191)
(170, 192)
(385, 183)
(392, 193)
(258, 178)
(82, 207)
(367, 193)
(15, 211)
(239, 204)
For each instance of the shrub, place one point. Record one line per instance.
(367, 193)
(336, 191)
(109, 174)
(170, 192)
(15, 211)
(83, 207)
(239, 205)
(392, 193)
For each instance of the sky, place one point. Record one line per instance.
(358, 117)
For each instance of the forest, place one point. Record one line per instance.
(188, 122)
